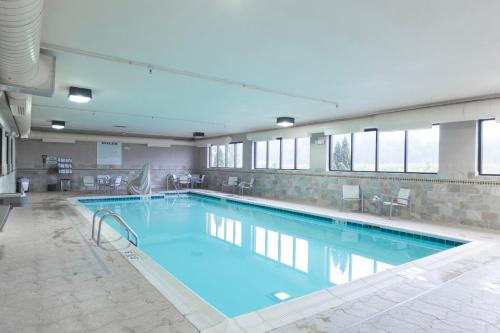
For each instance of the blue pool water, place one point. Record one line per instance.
(241, 258)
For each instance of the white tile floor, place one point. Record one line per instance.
(52, 279)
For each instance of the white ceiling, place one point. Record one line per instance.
(368, 56)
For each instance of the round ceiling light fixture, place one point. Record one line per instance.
(285, 121)
(198, 135)
(58, 124)
(79, 95)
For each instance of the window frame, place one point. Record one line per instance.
(280, 157)
(377, 142)
(7, 152)
(405, 157)
(376, 150)
(225, 155)
(480, 148)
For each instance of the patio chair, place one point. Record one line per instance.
(246, 186)
(200, 181)
(103, 183)
(89, 183)
(184, 180)
(115, 185)
(399, 201)
(230, 182)
(352, 193)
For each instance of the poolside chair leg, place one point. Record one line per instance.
(390, 212)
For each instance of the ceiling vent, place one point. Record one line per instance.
(20, 106)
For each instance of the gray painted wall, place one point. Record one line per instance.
(175, 159)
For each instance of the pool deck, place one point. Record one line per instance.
(54, 279)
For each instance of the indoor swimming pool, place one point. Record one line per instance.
(240, 257)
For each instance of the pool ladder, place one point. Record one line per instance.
(117, 217)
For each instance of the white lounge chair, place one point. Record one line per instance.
(231, 182)
(401, 200)
(352, 193)
(89, 183)
(246, 186)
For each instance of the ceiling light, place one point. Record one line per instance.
(79, 95)
(198, 134)
(285, 121)
(58, 124)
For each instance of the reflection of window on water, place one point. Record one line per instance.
(346, 267)
(288, 250)
(223, 228)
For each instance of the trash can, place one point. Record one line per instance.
(23, 183)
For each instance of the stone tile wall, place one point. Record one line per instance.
(459, 201)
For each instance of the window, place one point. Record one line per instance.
(396, 151)
(489, 152)
(1, 151)
(221, 156)
(340, 156)
(230, 156)
(7, 144)
(289, 154)
(261, 154)
(391, 151)
(364, 150)
(213, 156)
(12, 154)
(239, 155)
(423, 150)
(303, 152)
(226, 156)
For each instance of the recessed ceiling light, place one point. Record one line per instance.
(79, 95)
(281, 295)
(285, 121)
(58, 124)
(198, 134)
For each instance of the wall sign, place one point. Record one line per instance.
(109, 153)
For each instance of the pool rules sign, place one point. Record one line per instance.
(109, 153)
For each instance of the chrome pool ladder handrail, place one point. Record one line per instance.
(108, 211)
(118, 219)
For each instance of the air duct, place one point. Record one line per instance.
(24, 71)
(20, 27)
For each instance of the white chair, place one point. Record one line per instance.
(246, 186)
(352, 193)
(89, 183)
(200, 181)
(103, 183)
(184, 180)
(401, 200)
(230, 182)
(115, 185)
